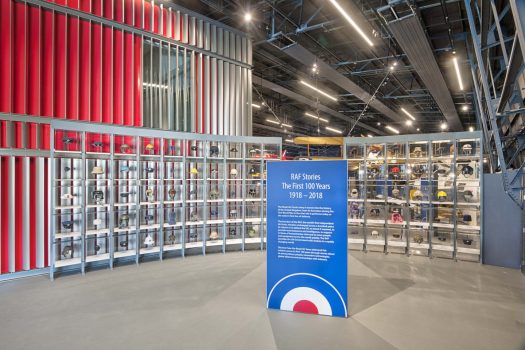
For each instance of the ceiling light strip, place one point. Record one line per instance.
(316, 117)
(408, 114)
(319, 91)
(351, 21)
(394, 130)
(458, 73)
(334, 130)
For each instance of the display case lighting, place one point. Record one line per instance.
(319, 91)
(316, 117)
(351, 21)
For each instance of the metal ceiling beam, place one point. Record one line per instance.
(300, 98)
(307, 58)
(411, 36)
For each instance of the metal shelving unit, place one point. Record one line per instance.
(145, 193)
(416, 194)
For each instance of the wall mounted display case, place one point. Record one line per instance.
(416, 194)
(131, 193)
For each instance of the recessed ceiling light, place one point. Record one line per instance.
(378, 124)
(334, 130)
(319, 91)
(351, 21)
(464, 108)
(471, 128)
(418, 129)
(408, 114)
(394, 130)
(247, 17)
(443, 126)
(408, 122)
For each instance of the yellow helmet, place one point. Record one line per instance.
(442, 195)
(194, 171)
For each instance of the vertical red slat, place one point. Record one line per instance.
(118, 13)
(96, 7)
(4, 233)
(128, 12)
(128, 80)
(5, 57)
(108, 9)
(137, 80)
(73, 67)
(107, 76)
(33, 205)
(34, 59)
(96, 72)
(118, 76)
(85, 5)
(138, 14)
(165, 22)
(19, 208)
(46, 210)
(47, 63)
(85, 72)
(147, 15)
(19, 58)
(156, 19)
(73, 4)
(60, 65)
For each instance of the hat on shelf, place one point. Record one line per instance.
(97, 170)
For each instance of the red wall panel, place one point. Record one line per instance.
(85, 70)
(165, 22)
(96, 7)
(60, 66)
(19, 58)
(34, 59)
(118, 13)
(128, 79)
(5, 56)
(72, 67)
(147, 16)
(85, 5)
(47, 62)
(138, 14)
(96, 72)
(74, 3)
(108, 9)
(128, 12)
(156, 19)
(118, 76)
(107, 75)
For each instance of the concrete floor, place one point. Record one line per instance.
(217, 302)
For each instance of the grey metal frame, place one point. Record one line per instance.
(406, 227)
(138, 134)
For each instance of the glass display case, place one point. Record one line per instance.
(416, 194)
(123, 193)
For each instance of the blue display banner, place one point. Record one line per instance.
(307, 237)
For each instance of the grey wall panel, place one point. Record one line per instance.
(244, 49)
(193, 73)
(249, 124)
(26, 214)
(238, 48)
(213, 38)
(243, 101)
(185, 28)
(220, 41)
(200, 34)
(207, 36)
(207, 97)
(232, 86)
(198, 93)
(11, 191)
(502, 228)
(177, 25)
(226, 89)
(213, 95)
(220, 97)
(232, 46)
(250, 59)
(238, 88)
(169, 22)
(40, 213)
(192, 31)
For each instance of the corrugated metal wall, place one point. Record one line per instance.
(85, 60)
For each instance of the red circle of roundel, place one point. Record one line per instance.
(395, 169)
(305, 306)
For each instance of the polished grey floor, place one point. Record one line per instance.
(217, 302)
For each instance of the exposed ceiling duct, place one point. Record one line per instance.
(307, 58)
(410, 35)
(300, 98)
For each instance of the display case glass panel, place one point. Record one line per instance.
(418, 241)
(375, 151)
(149, 241)
(418, 150)
(98, 143)
(68, 251)
(396, 151)
(355, 151)
(125, 244)
(235, 150)
(173, 148)
(97, 248)
(125, 146)
(215, 149)
(271, 151)
(150, 146)
(67, 141)
(442, 149)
